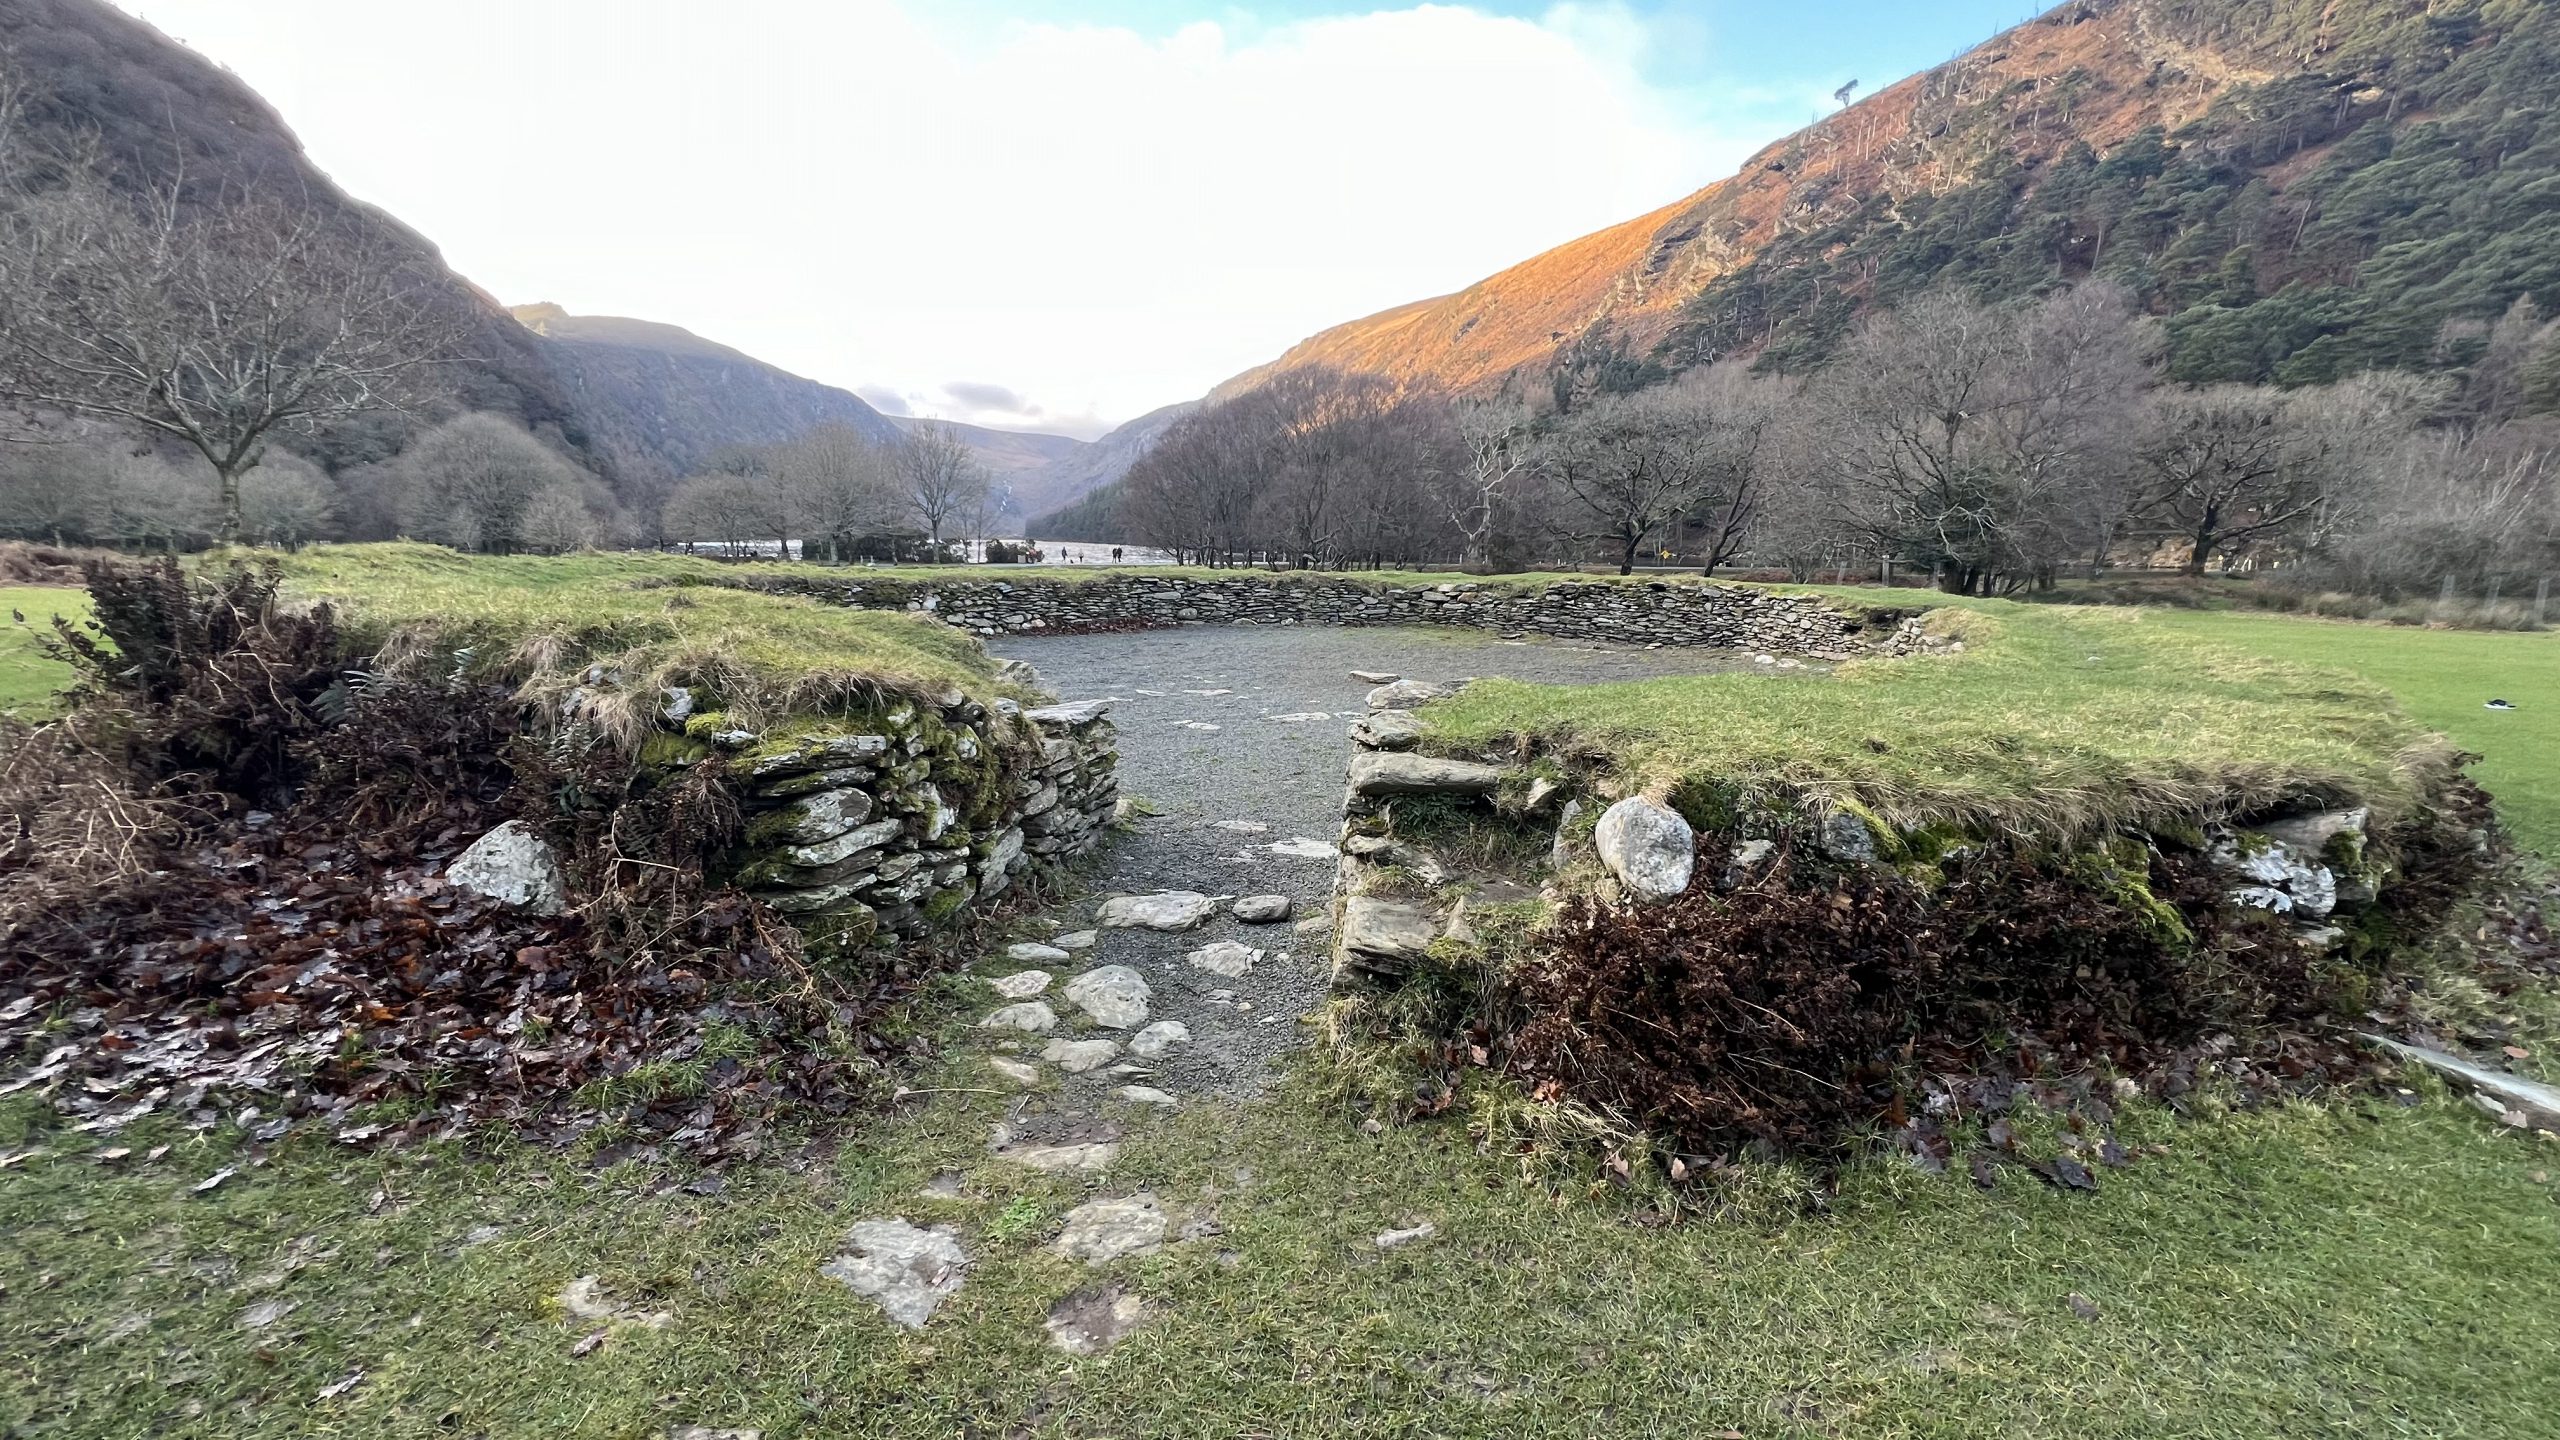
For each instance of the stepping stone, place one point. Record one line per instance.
(1023, 986)
(1262, 909)
(1077, 1057)
(1159, 1039)
(1299, 717)
(1146, 1095)
(1114, 995)
(1031, 1017)
(1391, 1239)
(1094, 1319)
(1076, 942)
(1241, 827)
(1387, 934)
(1408, 694)
(1101, 1231)
(1376, 677)
(1017, 1071)
(905, 1271)
(1226, 957)
(1299, 847)
(1172, 910)
(1314, 925)
(1031, 952)
(1091, 1156)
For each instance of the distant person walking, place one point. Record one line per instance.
(1115, 554)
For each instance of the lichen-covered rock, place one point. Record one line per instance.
(1079, 1057)
(1387, 730)
(1101, 1231)
(1158, 1040)
(514, 866)
(1845, 838)
(1648, 846)
(1226, 957)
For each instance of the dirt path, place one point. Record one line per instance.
(1235, 738)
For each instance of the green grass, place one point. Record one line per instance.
(2308, 1272)
(2064, 718)
(2443, 678)
(28, 679)
(660, 619)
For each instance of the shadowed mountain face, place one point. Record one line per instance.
(1076, 498)
(158, 111)
(2303, 188)
(660, 400)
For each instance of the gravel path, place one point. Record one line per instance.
(1236, 735)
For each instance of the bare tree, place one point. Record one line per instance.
(473, 481)
(942, 479)
(1499, 464)
(219, 320)
(841, 483)
(287, 501)
(733, 511)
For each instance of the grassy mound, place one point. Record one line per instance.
(2065, 722)
(659, 620)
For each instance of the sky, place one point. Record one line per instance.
(1035, 216)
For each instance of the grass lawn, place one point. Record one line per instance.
(649, 617)
(2443, 678)
(2355, 1269)
(2066, 718)
(27, 679)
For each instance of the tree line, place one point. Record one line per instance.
(1983, 447)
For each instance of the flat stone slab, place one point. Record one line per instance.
(1076, 942)
(1082, 712)
(1019, 1072)
(1094, 1319)
(1031, 952)
(905, 1271)
(1407, 694)
(1146, 1095)
(1159, 1039)
(2539, 1103)
(1226, 957)
(1391, 933)
(1263, 909)
(1030, 1017)
(1091, 1156)
(1376, 677)
(1026, 985)
(1392, 773)
(1115, 996)
(1101, 1231)
(1171, 910)
(1078, 1057)
(1300, 847)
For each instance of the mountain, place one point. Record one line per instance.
(158, 111)
(1072, 498)
(638, 403)
(2301, 188)
(660, 400)
(1021, 462)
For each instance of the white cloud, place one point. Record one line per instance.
(1098, 220)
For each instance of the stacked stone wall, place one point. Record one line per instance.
(889, 824)
(1647, 613)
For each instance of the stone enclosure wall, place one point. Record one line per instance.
(1650, 613)
(882, 826)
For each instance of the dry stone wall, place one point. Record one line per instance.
(1650, 613)
(885, 825)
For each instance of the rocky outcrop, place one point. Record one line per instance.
(887, 823)
(1635, 613)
